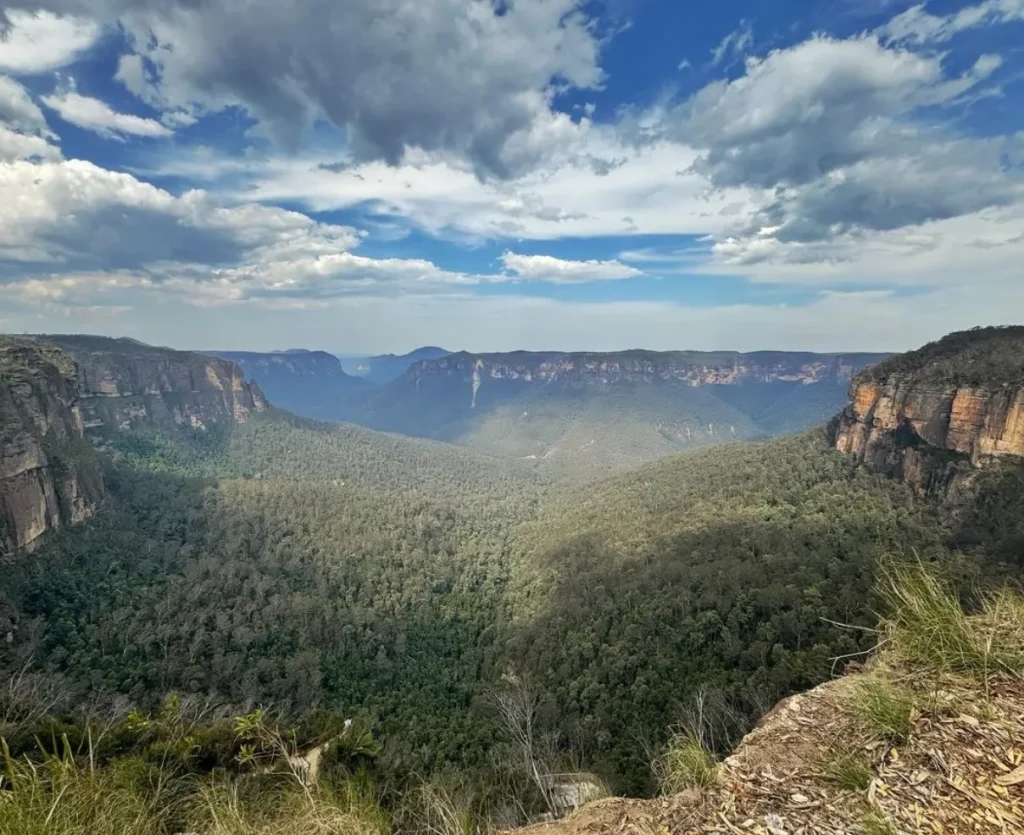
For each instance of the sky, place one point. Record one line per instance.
(373, 175)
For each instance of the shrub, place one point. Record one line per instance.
(685, 764)
(885, 708)
(850, 770)
(927, 628)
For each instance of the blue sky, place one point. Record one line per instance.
(375, 175)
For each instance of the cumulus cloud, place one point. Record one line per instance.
(76, 234)
(917, 26)
(832, 134)
(471, 78)
(15, 146)
(99, 117)
(24, 133)
(40, 41)
(650, 190)
(17, 110)
(559, 271)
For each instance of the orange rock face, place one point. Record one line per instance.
(905, 430)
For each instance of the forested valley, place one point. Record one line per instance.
(316, 573)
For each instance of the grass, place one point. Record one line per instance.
(59, 797)
(928, 629)
(850, 771)
(876, 823)
(885, 708)
(685, 764)
(227, 808)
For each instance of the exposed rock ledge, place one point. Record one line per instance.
(960, 771)
(48, 474)
(930, 436)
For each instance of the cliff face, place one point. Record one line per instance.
(691, 368)
(126, 385)
(48, 474)
(308, 383)
(935, 416)
(930, 437)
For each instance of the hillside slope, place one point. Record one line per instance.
(590, 412)
(924, 739)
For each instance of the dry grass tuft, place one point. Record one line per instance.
(685, 764)
(850, 771)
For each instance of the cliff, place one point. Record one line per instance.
(48, 474)
(935, 416)
(692, 368)
(126, 384)
(308, 383)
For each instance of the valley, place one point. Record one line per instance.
(187, 538)
(570, 414)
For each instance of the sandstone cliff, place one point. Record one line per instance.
(693, 368)
(48, 474)
(55, 389)
(934, 416)
(125, 384)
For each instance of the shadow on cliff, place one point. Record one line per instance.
(987, 517)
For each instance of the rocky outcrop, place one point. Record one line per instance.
(308, 383)
(125, 384)
(934, 430)
(49, 476)
(693, 368)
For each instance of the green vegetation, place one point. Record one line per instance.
(885, 707)
(876, 823)
(988, 357)
(850, 770)
(684, 764)
(929, 630)
(268, 563)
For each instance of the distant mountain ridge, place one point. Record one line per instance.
(308, 383)
(608, 410)
(690, 367)
(384, 368)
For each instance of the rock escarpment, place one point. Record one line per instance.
(49, 476)
(308, 383)
(693, 368)
(935, 416)
(125, 384)
(55, 390)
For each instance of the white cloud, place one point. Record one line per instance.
(98, 117)
(24, 133)
(15, 146)
(37, 42)
(559, 271)
(18, 111)
(832, 131)
(467, 78)
(77, 234)
(734, 45)
(646, 190)
(917, 26)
